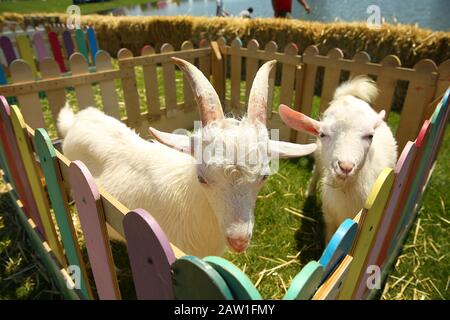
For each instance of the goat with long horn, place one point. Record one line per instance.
(202, 204)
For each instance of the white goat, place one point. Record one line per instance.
(354, 146)
(200, 188)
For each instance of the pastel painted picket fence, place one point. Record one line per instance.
(34, 45)
(42, 181)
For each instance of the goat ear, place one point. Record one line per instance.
(380, 118)
(179, 142)
(298, 121)
(286, 150)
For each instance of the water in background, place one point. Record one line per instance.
(432, 14)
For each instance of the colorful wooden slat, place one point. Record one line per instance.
(288, 76)
(40, 47)
(92, 220)
(240, 285)
(81, 43)
(331, 288)
(110, 101)
(29, 103)
(3, 79)
(15, 164)
(170, 94)
(339, 246)
(150, 256)
(194, 279)
(56, 50)
(370, 218)
(8, 49)
(7, 176)
(92, 41)
(189, 102)
(390, 243)
(59, 201)
(79, 66)
(130, 93)
(68, 43)
(306, 282)
(26, 51)
(236, 65)
(26, 152)
(402, 171)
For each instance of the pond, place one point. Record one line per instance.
(432, 14)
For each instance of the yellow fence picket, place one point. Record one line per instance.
(32, 171)
(288, 76)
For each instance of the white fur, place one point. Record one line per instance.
(345, 123)
(197, 218)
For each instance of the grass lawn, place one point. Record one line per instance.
(36, 6)
(288, 233)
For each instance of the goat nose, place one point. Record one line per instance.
(346, 166)
(238, 244)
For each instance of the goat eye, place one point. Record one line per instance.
(322, 135)
(201, 180)
(368, 137)
(264, 177)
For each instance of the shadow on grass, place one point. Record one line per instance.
(310, 236)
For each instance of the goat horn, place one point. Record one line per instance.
(257, 101)
(206, 97)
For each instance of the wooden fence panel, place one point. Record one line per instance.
(83, 92)
(150, 256)
(81, 43)
(252, 65)
(68, 43)
(29, 102)
(288, 77)
(57, 97)
(108, 90)
(271, 47)
(92, 41)
(218, 64)
(189, 102)
(92, 220)
(151, 84)
(194, 279)
(204, 62)
(360, 59)
(330, 78)
(40, 47)
(417, 98)
(170, 94)
(386, 85)
(26, 152)
(306, 282)
(331, 288)
(307, 92)
(8, 49)
(370, 218)
(235, 78)
(59, 201)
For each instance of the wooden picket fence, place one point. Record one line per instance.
(35, 43)
(39, 178)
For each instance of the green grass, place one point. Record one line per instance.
(35, 6)
(288, 232)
